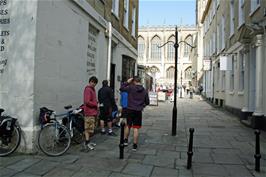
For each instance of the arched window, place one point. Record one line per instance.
(155, 50)
(170, 73)
(153, 71)
(171, 49)
(187, 48)
(188, 74)
(141, 48)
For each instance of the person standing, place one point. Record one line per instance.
(138, 98)
(90, 111)
(107, 103)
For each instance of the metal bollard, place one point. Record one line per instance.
(190, 145)
(257, 151)
(121, 145)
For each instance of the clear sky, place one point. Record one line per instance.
(168, 12)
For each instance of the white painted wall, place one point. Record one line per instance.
(17, 95)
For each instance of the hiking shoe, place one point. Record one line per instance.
(135, 147)
(111, 134)
(90, 147)
(93, 144)
(125, 142)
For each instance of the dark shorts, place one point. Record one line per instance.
(105, 114)
(134, 119)
(124, 113)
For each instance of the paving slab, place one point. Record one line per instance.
(138, 169)
(167, 172)
(23, 164)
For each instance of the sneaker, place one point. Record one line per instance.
(111, 134)
(93, 144)
(125, 142)
(90, 147)
(135, 147)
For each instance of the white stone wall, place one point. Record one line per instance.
(17, 81)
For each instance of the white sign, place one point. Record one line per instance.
(92, 50)
(207, 65)
(225, 63)
(4, 33)
(153, 98)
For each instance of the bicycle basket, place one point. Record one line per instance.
(44, 116)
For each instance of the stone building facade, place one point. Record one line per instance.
(160, 62)
(50, 49)
(234, 41)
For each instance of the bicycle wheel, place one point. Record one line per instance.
(77, 136)
(54, 139)
(9, 143)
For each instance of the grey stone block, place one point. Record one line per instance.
(23, 164)
(42, 167)
(167, 172)
(138, 169)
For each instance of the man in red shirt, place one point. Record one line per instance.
(90, 111)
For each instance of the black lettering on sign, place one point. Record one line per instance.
(2, 48)
(4, 33)
(5, 21)
(3, 12)
(3, 2)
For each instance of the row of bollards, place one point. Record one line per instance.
(121, 145)
(257, 151)
(190, 146)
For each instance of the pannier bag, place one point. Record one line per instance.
(44, 116)
(7, 127)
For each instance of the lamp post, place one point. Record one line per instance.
(174, 113)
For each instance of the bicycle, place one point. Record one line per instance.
(10, 134)
(55, 137)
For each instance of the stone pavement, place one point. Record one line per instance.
(223, 147)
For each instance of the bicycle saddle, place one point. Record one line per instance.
(68, 107)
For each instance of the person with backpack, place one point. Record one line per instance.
(138, 98)
(107, 103)
(90, 111)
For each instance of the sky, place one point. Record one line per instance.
(166, 12)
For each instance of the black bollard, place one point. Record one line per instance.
(257, 152)
(190, 145)
(121, 145)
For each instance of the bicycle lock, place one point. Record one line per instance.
(257, 155)
(121, 145)
(190, 145)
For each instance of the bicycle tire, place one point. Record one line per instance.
(54, 139)
(7, 148)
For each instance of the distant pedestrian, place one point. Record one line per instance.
(107, 103)
(90, 111)
(138, 98)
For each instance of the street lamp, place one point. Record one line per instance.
(176, 45)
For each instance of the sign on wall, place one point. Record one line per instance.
(92, 50)
(4, 33)
(207, 64)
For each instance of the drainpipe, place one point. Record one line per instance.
(109, 50)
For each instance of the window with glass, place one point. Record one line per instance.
(232, 74)
(133, 22)
(254, 5)
(115, 7)
(241, 72)
(186, 46)
(155, 50)
(171, 49)
(241, 12)
(232, 17)
(141, 48)
(126, 9)
(188, 74)
(170, 73)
